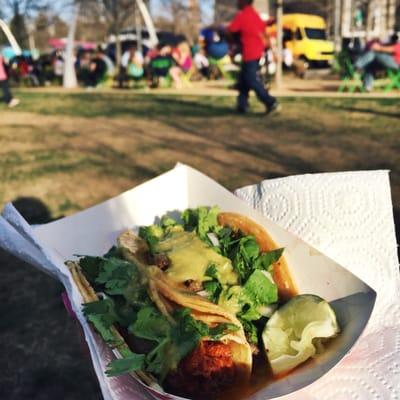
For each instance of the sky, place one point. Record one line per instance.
(156, 9)
(206, 6)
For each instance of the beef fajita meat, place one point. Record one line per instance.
(161, 260)
(193, 285)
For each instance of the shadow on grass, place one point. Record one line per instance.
(292, 162)
(135, 105)
(113, 104)
(368, 111)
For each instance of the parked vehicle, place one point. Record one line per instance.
(305, 36)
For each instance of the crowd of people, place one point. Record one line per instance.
(167, 63)
(237, 50)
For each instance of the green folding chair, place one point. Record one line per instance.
(158, 66)
(390, 81)
(393, 80)
(351, 79)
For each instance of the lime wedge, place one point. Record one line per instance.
(295, 331)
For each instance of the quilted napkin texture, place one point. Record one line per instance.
(347, 216)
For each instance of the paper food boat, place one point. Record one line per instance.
(95, 230)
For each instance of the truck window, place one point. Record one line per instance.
(299, 36)
(316, 34)
(287, 34)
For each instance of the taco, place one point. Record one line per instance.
(163, 332)
(184, 301)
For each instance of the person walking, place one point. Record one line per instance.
(251, 28)
(7, 96)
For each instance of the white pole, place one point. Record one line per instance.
(346, 19)
(337, 26)
(11, 38)
(31, 37)
(391, 22)
(69, 79)
(148, 22)
(279, 42)
(138, 26)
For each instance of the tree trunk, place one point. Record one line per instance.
(194, 21)
(69, 78)
(338, 42)
(118, 51)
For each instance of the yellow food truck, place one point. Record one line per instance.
(305, 36)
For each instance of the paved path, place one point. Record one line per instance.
(292, 88)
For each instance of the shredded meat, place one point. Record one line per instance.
(205, 371)
(194, 286)
(161, 260)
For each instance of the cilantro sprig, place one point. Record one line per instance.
(127, 304)
(172, 342)
(203, 220)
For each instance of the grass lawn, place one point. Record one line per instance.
(70, 151)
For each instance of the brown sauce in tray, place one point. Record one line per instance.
(261, 376)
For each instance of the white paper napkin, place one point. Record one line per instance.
(348, 216)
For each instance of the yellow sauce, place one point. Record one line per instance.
(190, 257)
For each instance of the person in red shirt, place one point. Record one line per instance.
(251, 28)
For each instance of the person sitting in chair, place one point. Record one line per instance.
(387, 56)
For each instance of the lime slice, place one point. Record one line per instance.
(295, 331)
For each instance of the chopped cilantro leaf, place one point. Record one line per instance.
(212, 271)
(250, 331)
(173, 341)
(115, 274)
(131, 363)
(260, 290)
(225, 240)
(244, 255)
(202, 219)
(267, 260)
(104, 308)
(159, 361)
(249, 248)
(166, 221)
(188, 324)
(90, 267)
(102, 315)
(114, 252)
(152, 235)
(249, 312)
(214, 289)
(220, 330)
(150, 324)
